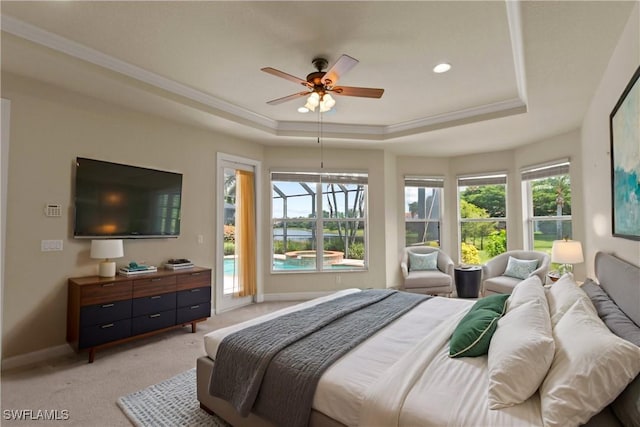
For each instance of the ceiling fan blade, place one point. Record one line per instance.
(342, 65)
(284, 75)
(365, 92)
(287, 98)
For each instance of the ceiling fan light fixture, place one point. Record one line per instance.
(303, 109)
(442, 68)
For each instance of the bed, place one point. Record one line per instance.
(403, 374)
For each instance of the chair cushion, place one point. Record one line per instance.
(473, 334)
(501, 284)
(421, 262)
(427, 279)
(520, 268)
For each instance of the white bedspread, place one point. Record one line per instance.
(403, 376)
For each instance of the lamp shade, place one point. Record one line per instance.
(106, 249)
(566, 252)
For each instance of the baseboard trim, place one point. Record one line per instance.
(35, 357)
(295, 296)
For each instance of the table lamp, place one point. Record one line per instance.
(566, 252)
(106, 250)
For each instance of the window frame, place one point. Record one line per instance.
(429, 182)
(531, 173)
(487, 178)
(318, 219)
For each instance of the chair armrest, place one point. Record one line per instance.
(405, 269)
(448, 268)
(490, 270)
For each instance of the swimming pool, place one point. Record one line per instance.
(230, 266)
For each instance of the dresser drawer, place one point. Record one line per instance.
(154, 304)
(99, 334)
(196, 279)
(105, 313)
(194, 296)
(193, 312)
(153, 321)
(106, 292)
(153, 286)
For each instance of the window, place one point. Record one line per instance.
(482, 207)
(422, 210)
(319, 221)
(547, 192)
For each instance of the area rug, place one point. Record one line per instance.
(171, 403)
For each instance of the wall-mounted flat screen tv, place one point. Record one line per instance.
(114, 200)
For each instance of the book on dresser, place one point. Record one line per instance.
(104, 311)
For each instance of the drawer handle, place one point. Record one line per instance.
(153, 316)
(195, 274)
(193, 307)
(106, 285)
(106, 305)
(156, 280)
(195, 290)
(108, 325)
(156, 297)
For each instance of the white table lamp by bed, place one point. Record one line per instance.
(566, 252)
(107, 250)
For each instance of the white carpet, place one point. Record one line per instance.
(171, 403)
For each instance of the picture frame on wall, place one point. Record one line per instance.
(624, 125)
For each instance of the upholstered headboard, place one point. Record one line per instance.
(621, 280)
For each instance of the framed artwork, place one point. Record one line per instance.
(625, 162)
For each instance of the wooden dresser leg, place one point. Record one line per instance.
(92, 354)
(193, 327)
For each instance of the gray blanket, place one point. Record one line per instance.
(273, 368)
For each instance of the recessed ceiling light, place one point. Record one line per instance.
(442, 68)
(303, 110)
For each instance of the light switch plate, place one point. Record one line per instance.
(50, 245)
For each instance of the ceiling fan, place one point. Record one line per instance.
(321, 84)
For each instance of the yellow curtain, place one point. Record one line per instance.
(246, 233)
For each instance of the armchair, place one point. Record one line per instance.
(437, 281)
(495, 282)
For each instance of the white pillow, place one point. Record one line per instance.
(591, 367)
(562, 295)
(528, 290)
(520, 354)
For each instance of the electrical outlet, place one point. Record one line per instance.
(50, 245)
(200, 239)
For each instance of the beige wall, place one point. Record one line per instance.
(596, 174)
(49, 128)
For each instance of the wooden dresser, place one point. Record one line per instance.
(105, 311)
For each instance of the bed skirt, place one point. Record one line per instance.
(223, 409)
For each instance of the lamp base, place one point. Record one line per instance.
(107, 269)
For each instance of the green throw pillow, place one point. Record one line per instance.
(520, 268)
(473, 334)
(423, 261)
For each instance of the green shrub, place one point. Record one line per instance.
(469, 254)
(229, 248)
(356, 251)
(496, 243)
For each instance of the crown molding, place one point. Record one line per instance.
(69, 47)
(250, 118)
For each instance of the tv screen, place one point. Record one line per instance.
(121, 201)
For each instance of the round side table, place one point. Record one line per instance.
(468, 281)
